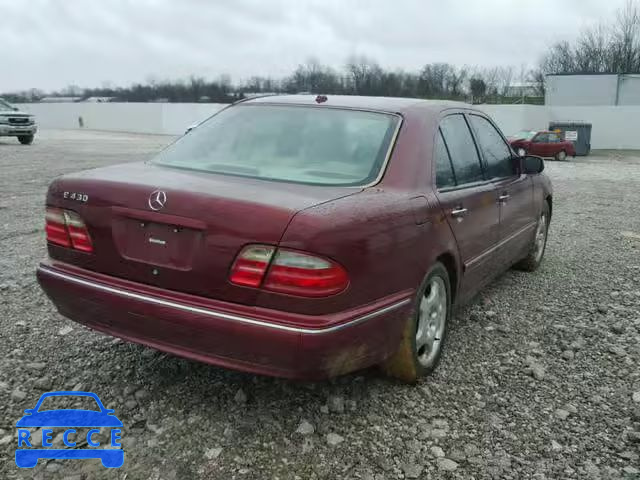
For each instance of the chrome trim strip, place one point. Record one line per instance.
(500, 244)
(392, 146)
(220, 315)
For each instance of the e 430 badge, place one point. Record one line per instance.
(77, 196)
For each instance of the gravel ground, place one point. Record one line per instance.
(540, 378)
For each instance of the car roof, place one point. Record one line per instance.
(384, 104)
(70, 393)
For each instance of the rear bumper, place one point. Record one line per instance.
(229, 335)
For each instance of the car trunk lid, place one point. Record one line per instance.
(178, 229)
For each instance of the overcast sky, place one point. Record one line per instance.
(50, 44)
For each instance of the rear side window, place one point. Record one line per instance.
(444, 170)
(462, 149)
(495, 151)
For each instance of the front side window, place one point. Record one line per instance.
(314, 145)
(462, 149)
(495, 151)
(541, 138)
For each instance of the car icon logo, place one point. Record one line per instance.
(73, 421)
(157, 200)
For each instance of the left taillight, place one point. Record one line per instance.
(66, 228)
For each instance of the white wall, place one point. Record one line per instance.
(581, 90)
(158, 118)
(513, 118)
(629, 93)
(614, 127)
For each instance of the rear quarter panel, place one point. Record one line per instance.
(373, 235)
(569, 148)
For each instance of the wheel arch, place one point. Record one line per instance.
(549, 200)
(449, 262)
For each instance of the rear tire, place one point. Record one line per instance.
(538, 245)
(425, 330)
(25, 139)
(561, 156)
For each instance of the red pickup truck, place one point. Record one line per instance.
(542, 143)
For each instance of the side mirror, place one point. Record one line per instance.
(15, 109)
(30, 410)
(532, 164)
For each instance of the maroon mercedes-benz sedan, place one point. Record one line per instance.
(299, 236)
(544, 144)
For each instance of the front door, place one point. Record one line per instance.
(514, 190)
(468, 200)
(540, 145)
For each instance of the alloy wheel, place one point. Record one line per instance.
(541, 237)
(432, 318)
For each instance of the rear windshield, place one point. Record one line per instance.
(315, 145)
(524, 135)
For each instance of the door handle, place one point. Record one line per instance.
(503, 198)
(459, 212)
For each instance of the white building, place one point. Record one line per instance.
(597, 89)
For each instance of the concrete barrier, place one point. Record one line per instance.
(158, 118)
(614, 127)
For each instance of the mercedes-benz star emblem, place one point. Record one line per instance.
(157, 200)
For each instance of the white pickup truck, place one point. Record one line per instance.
(14, 123)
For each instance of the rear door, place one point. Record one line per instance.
(468, 200)
(515, 189)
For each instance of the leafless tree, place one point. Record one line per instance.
(606, 48)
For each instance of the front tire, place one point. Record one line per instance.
(25, 139)
(561, 156)
(536, 251)
(425, 330)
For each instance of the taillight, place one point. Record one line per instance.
(250, 265)
(66, 228)
(304, 274)
(288, 271)
(80, 239)
(56, 227)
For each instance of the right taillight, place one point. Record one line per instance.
(66, 228)
(288, 271)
